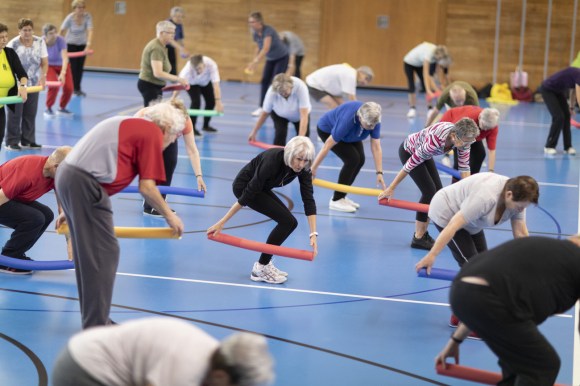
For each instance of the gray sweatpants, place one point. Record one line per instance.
(21, 125)
(67, 372)
(88, 212)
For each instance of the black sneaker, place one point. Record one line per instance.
(13, 147)
(197, 133)
(426, 242)
(210, 129)
(80, 93)
(32, 145)
(153, 212)
(16, 271)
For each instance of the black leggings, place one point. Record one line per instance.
(77, 65)
(268, 204)
(558, 108)
(525, 355)
(2, 123)
(271, 69)
(149, 91)
(476, 157)
(281, 128)
(426, 178)
(353, 156)
(411, 79)
(170, 162)
(465, 245)
(195, 93)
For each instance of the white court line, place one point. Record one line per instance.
(294, 290)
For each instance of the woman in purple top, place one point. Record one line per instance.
(416, 153)
(268, 45)
(58, 70)
(554, 90)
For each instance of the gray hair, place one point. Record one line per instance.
(465, 128)
(176, 10)
(59, 154)
(47, 28)
(248, 355)
(299, 145)
(370, 113)
(488, 118)
(281, 82)
(367, 71)
(164, 25)
(166, 116)
(442, 56)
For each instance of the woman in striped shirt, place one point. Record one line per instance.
(416, 153)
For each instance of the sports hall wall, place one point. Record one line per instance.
(335, 31)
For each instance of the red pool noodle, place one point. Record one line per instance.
(436, 95)
(472, 374)
(80, 54)
(405, 205)
(262, 247)
(53, 84)
(263, 145)
(175, 87)
(575, 123)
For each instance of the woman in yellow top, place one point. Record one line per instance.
(13, 78)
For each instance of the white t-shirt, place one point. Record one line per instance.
(476, 197)
(150, 351)
(335, 80)
(30, 57)
(418, 55)
(209, 74)
(288, 108)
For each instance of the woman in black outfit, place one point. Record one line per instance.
(253, 187)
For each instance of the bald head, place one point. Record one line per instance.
(57, 156)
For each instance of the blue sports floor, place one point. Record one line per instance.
(356, 315)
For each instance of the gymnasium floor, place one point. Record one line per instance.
(356, 315)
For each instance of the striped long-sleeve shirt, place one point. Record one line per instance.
(430, 142)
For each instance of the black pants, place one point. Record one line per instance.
(281, 128)
(195, 93)
(476, 157)
(353, 156)
(558, 108)
(271, 69)
(409, 70)
(29, 221)
(298, 66)
(2, 123)
(426, 178)
(149, 91)
(77, 65)
(465, 245)
(525, 356)
(268, 204)
(172, 56)
(169, 162)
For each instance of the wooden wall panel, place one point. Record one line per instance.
(39, 11)
(349, 34)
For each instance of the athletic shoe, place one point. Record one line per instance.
(351, 202)
(473, 335)
(197, 133)
(453, 321)
(550, 151)
(279, 272)
(426, 242)
(13, 147)
(412, 113)
(210, 129)
(48, 113)
(15, 271)
(341, 205)
(64, 112)
(153, 212)
(257, 112)
(266, 274)
(32, 145)
(571, 151)
(80, 93)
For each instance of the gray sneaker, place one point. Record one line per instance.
(278, 271)
(266, 274)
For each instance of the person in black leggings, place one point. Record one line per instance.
(343, 129)
(253, 187)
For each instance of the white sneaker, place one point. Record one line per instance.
(446, 160)
(278, 271)
(550, 151)
(571, 151)
(412, 113)
(266, 274)
(257, 112)
(355, 204)
(341, 205)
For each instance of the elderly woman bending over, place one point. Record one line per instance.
(286, 101)
(417, 152)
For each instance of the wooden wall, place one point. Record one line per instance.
(334, 31)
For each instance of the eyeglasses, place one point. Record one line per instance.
(169, 32)
(466, 141)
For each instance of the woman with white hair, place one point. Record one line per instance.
(155, 65)
(486, 119)
(286, 101)
(253, 186)
(342, 130)
(417, 152)
(457, 94)
(176, 16)
(423, 60)
(162, 351)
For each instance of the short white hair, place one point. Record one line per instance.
(167, 117)
(370, 113)
(164, 25)
(176, 10)
(367, 71)
(299, 145)
(488, 118)
(248, 354)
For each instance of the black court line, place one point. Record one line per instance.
(40, 369)
(296, 343)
